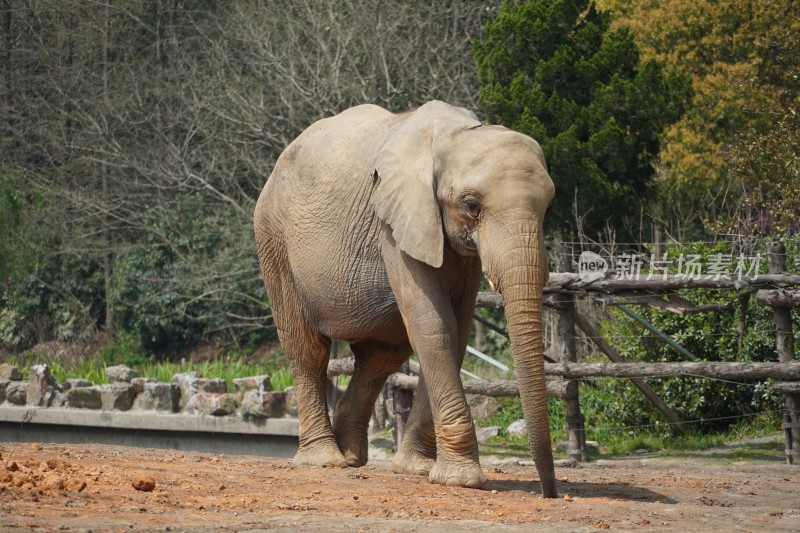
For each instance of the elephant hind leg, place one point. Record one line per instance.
(308, 354)
(374, 362)
(307, 350)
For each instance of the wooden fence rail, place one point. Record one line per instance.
(556, 388)
(734, 371)
(566, 281)
(774, 287)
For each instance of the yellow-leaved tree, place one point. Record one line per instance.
(731, 162)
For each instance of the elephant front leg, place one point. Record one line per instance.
(423, 297)
(417, 453)
(435, 340)
(457, 461)
(442, 446)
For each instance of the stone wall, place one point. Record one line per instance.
(189, 393)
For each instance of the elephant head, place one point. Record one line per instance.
(443, 177)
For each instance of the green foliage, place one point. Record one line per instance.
(769, 162)
(184, 278)
(620, 440)
(56, 297)
(710, 336)
(18, 202)
(125, 349)
(281, 377)
(92, 369)
(12, 207)
(511, 410)
(553, 71)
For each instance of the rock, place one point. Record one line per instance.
(509, 461)
(85, 397)
(175, 394)
(216, 385)
(191, 383)
(291, 402)
(565, 463)
(210, 403)
(74, 485)
(486, 433)
(137, 384)
(143, 484)
(517, 428)
(257, 383)
(73, 383)
(159, 396)
(3, 385)
(268, 404)
(482, 407)
(10, 373)
(121, 373)
(187, 385)
(563, 446)
(60, 400)
(42, 386)
(17, 392)
(117, 395)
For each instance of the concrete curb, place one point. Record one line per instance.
(148, 420)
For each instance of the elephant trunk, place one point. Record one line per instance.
(521, 270)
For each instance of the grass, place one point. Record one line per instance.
(229, 368)
(625, 441)
(622, 443)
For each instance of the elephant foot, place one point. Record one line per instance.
(464, 475)
(353, 446)
(325, 455)
(406, 462)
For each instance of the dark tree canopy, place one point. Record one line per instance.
(553, 70)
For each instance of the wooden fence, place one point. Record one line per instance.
(777, 289)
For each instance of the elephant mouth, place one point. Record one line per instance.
(465, 243)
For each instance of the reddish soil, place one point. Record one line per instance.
(55, 487)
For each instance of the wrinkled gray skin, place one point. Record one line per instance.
(373, 228)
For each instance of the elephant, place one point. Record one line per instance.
(374, 228)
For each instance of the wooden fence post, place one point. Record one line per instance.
(332, 388)
(565, 352)
(402, 401)
(784, 343)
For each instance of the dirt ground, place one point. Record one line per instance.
(56, 487)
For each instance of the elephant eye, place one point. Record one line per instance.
(472, 205)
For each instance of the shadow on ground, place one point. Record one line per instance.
(615, 491)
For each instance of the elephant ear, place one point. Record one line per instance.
(404, 194)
